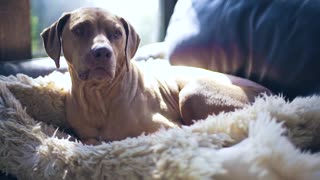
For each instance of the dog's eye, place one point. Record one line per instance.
(78, 31)
(116, 34)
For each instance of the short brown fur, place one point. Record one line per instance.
(112, 98)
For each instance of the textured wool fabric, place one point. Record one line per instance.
(261, 141)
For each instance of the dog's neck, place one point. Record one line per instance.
(122, 87)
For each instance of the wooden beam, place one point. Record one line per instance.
(15, 35)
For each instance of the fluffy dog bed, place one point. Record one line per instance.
(261, 141)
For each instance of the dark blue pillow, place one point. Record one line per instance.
(272, 42)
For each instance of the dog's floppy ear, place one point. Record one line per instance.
(132, 41)
(51, 38)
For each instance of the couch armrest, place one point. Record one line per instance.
(31, 67)
(156, 50)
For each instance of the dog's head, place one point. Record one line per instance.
(95, 43)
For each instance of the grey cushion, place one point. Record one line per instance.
(31, 67)
(272, 42)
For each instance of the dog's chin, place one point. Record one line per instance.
(97, 74)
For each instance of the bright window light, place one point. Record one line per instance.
(142, 14)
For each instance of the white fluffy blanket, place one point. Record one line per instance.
(258, 142)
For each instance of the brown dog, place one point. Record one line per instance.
(111, 98)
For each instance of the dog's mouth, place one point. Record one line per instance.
(98, 73)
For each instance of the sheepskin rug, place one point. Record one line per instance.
(268, 140)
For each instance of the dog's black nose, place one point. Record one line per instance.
(101, 51)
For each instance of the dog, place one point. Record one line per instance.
(111, 98)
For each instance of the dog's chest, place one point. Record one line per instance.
(116, 119)
(98, 121)
(116, 123)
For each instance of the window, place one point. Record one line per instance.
(142, 14)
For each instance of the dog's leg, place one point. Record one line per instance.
(204, 97)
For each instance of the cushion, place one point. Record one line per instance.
(32, 67)
(260, 141)
(272, 42)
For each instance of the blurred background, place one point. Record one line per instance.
(22, 21)
(142, 14)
